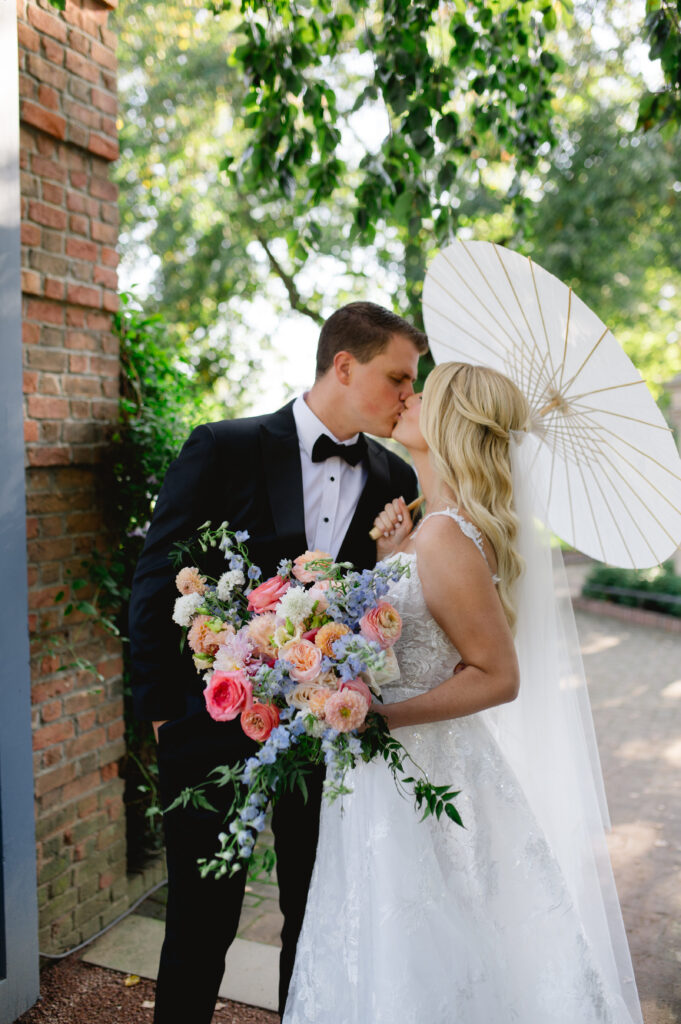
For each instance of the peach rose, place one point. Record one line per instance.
(345, 710)
(260, 630)
(189, 581)
(304, 660)
(382, 624)
(302, 695)
(203, 638)
(259, 721)
(329, 679)
(359, 687)
(318, 701)
(328, 634)
(228, 694)
(309, 575)
(266, 597)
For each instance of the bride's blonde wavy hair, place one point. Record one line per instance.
(467, 414)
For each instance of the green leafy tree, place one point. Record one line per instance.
(464, 91)
(662, 29)
(606, 215)
(359, 136)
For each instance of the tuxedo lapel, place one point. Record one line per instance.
(284, 475)
(357, 546)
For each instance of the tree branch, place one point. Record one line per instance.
(294, 295)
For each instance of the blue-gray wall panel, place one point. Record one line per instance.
(18, 909)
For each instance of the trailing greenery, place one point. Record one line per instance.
(642, 588)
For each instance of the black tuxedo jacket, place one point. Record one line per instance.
(247, 472)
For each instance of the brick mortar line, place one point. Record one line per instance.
(100, 135)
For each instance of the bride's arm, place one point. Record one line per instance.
(462, 598)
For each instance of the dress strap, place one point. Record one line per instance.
(467, 528)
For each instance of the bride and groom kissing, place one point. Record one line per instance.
(384, 919)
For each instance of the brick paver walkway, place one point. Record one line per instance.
(634, 678)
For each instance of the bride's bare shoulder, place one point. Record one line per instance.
(445, 545)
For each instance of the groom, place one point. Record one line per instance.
(304, 477)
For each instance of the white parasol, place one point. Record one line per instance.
(604, 456)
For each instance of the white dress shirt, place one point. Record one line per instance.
(331, 489)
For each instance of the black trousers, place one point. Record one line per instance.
(203, 914)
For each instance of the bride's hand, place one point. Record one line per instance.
(394, 522)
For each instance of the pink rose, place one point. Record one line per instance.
(309, 575)
(227, 694)
(345, 710)
(266, 597)
(318, 592)
(360, 687)
(382, 624)
(304, 660)
(259, 721)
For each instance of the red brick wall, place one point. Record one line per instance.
(69, 231)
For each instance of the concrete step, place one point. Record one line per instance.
(134, 947)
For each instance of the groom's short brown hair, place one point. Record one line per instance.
(364, 329)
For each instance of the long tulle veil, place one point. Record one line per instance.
(547, 734)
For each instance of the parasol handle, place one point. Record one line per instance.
(376, 531)
(550, 406)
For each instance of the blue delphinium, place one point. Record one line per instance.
(285, 568)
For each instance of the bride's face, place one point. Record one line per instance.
(407, 430)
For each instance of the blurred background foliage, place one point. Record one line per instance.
(279, 160)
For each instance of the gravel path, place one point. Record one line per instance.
(76, 993)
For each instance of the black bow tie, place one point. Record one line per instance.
(326, 448)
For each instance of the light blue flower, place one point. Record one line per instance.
(280, 738)
(267, 754)
(254, 573)
(355, 745)
(241, 536)
(259, 823)
(297, 726)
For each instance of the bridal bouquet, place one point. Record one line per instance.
(297, 658)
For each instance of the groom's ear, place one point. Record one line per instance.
(343, 365)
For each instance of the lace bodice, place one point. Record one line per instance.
(424, 652)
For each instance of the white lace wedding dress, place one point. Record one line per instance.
(412, 922)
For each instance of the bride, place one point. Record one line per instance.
(515, 917)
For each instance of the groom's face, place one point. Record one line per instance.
(378, 389)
